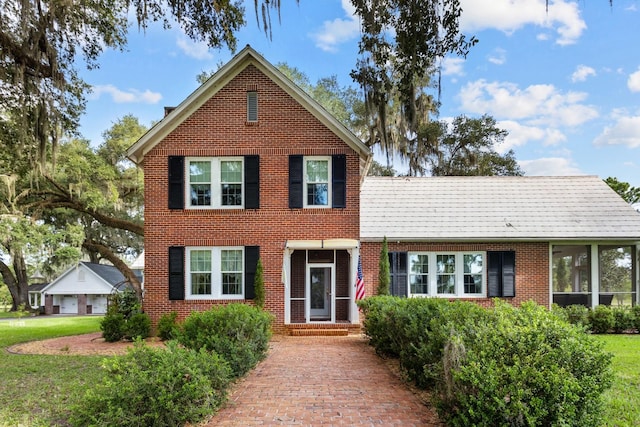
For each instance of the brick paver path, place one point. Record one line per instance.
(313, 381)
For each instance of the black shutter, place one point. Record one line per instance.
(399, 271)
(509, 274)
(176, 273)
(176, 182)
(339, 180)
(295, 182)
(251, 182)
(251, 256)
(501, 274)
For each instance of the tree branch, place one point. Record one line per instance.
(108, 254)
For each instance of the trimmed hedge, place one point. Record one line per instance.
(239, 333)
(155, 387)
(492, 367)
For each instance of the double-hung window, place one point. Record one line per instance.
(215, 273)
(455, 274)
(215, 182)
(317, 181)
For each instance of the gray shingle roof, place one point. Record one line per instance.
(494, 209)
(109, 273)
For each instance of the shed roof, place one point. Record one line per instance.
(494, 208)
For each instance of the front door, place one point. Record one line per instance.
(320, 279)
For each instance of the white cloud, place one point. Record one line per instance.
(508, 16)
(537, 104)
(520, 135)
(198, 50)
(452, 66)
(626, 131)
(581, 73)
(126, 97)
(549, 166)
(498, 56)
(634, 81)
(339, 30)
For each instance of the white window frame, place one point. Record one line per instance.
(305, 192)
(216, 182)
(459, 274)
(216, 273)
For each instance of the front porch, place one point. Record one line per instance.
(319, 279)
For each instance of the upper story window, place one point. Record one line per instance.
(215, 182)
(317, 181)
(446, 274)
(252, 106)
(215, 273)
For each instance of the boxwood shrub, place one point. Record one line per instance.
(155, 387)
(493, 367)
(239, 333)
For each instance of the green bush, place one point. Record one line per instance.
(524, 367)
(635, 316)
(377, 312)
(112, 327)
(138, 326)
(602, 319)
(623, 319)
(238, 332)
(168, 326)
(577, 315)
(155, 387)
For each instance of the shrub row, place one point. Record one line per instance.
(503, 366)
(183, 382)
(603, 319)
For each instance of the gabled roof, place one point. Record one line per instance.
(247, 56)
(108, 274)
(494, 209)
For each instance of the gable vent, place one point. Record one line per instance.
(252, 106)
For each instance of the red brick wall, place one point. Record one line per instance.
(532, 265)
(219, 128)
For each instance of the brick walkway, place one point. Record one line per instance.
(311, 381)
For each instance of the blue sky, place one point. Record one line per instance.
(564, 83)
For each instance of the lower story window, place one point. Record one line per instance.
(215, 273)
(457, 274)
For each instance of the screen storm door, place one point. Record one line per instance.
(320, 290)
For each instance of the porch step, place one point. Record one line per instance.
(315, 332)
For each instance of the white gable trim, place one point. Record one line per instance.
(50, 288)
(248, 56)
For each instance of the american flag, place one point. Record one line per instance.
(359, 281)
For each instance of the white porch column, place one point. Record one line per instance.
(286, 281)
(595, 275)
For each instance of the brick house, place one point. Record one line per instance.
(249, 167)
(566, 240)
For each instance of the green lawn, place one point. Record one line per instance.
(37, 390)
(622, 401)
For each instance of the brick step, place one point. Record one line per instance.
(315, 332)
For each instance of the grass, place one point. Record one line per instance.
(37, 390)
(622, 401)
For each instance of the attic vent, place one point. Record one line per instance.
(252, 106)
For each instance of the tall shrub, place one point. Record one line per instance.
(525, 367)
(384, 269)
(258, 284)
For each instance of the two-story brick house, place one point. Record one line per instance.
(249, 167)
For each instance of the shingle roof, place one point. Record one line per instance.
(494, 209)
(109, 273)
